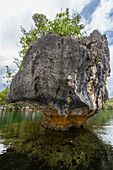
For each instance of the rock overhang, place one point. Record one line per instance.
(65, 78)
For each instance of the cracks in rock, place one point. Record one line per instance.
(58, 89)
(36, 85)
(35, 57)
(97, 99)
(62, 42)
(59, 46)
(61, 65)
(70, 92)
(35, 88)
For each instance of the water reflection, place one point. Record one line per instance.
(102, 124)
(7, 118)
(106, 133)
(39, 148)
(2, 148)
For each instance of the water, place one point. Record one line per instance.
(25, 145)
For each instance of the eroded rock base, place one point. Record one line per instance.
(63, 123)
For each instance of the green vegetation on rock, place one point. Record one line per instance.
(63, 25)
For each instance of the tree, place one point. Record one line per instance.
(63, 25)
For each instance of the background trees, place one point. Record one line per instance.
(3, 96)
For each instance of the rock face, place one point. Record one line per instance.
(65, 78)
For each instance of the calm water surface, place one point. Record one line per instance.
(25, 145)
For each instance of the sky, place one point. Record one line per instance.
(96, 14)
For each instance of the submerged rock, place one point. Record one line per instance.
(65, 78)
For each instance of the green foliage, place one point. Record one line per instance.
(106, 82)
(3, 96)
(15, 106)
(108, 104)
(12, 106)
(96, 59)
(22, 68)
(10, 74)
(102, 117)
(63, 25)
(27, 39)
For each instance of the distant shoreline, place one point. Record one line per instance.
(19, 110)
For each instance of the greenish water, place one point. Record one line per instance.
(25, 145)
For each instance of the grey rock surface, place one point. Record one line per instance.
(65, 78)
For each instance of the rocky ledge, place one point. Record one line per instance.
(65, 78)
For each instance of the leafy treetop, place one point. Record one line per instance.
(63, 25)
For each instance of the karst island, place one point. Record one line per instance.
(64, 77)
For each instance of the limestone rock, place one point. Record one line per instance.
(65, 78)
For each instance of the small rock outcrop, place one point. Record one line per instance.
(65, 78)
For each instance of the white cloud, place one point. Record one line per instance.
(76, 5)
(9, 32)
(79, 4)
(100, 18)
(7, 55)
